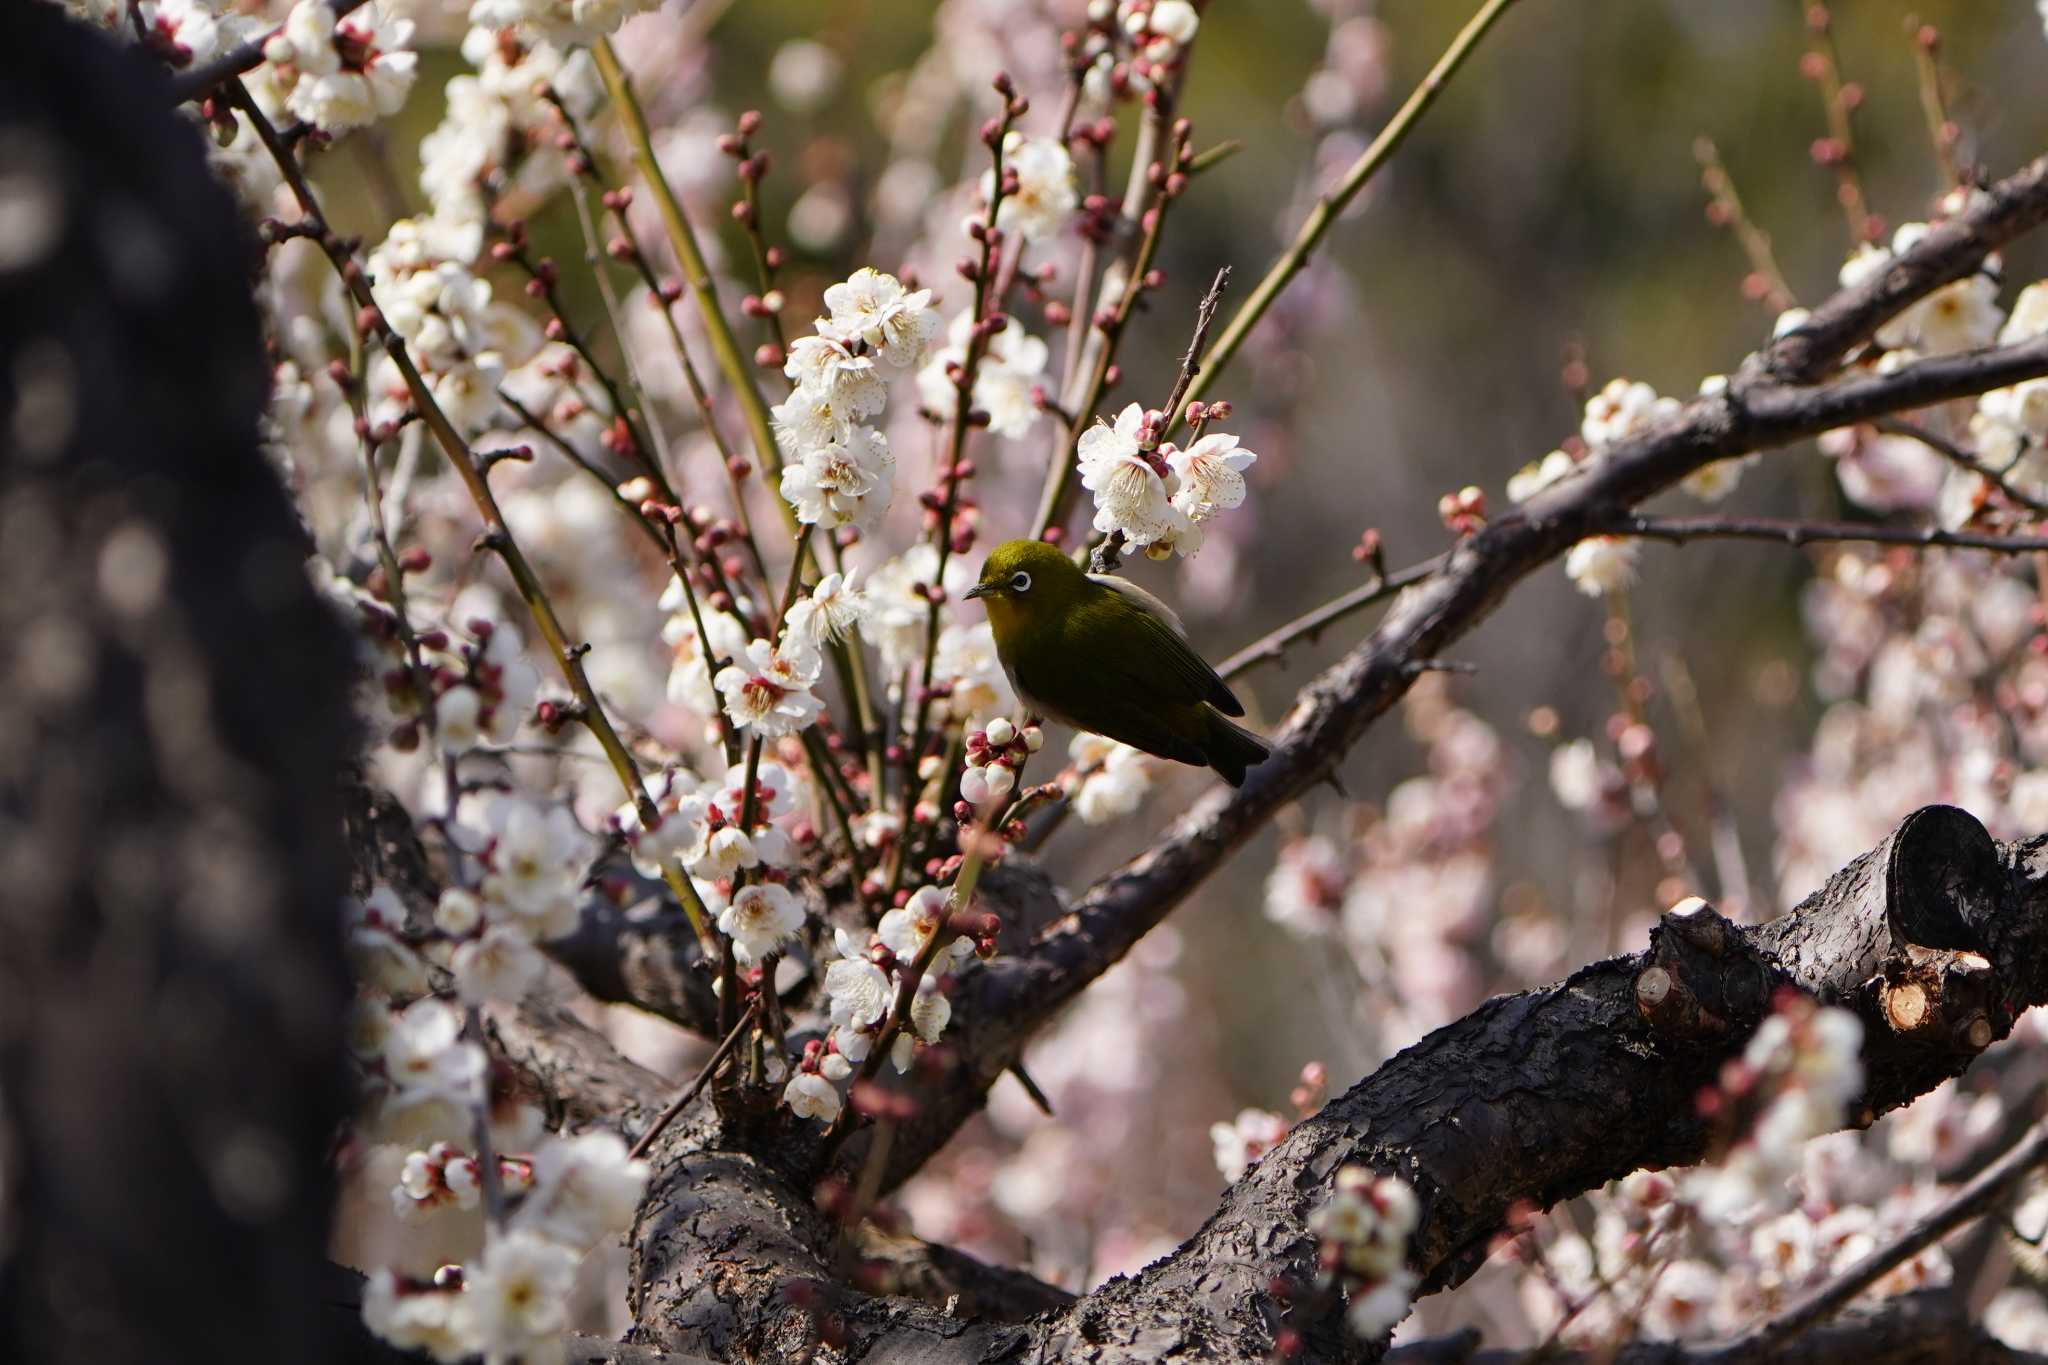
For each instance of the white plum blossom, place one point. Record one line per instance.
(1364, 1227)
(413, 1319)
(1174, 21)
(967, 661)
(859, 993)
(458, 912)
(377, 949)
(515, 1298)
(536, 856)
(1622, 409)
(832, 611)
(689, 678)
(440, 1177)
(350, 72)
(464, 341)
(194, 29)
(987, 783)
(500, 964)
(1250, 1136)
(760, 918)
(874, 311)
(585, 1188)
(559, 21)
(1600, 566)
(1131, 494)
(1211, 475)
(849, 379)
(1045, 197)
(1305, 890)
(1713, 482)
(1117, 786)
(930, 1012)
(907, 929)
(808, 419)
(1960, 316)
(1537, 475)
(1006, 381)
(426, 1058)
(811, 1094)
(845, 482)
(769, 691)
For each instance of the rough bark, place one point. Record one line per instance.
(174, 706)
(1534, 1097)
(572, 1071)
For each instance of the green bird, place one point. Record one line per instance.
(1104, 655)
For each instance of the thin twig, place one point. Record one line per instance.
(1330, 206)
(1973, 1200)
(1960, 458)
(1108, 556)
(1678, 530)
(1312, 624)
(682, 239)
(696, 1086)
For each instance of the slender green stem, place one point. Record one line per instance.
(1332, 205)
(497, 535)
(682, 239)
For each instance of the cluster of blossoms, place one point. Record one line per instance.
(922, 937)
(1797, 1077)
(513, 1300)
(492, 116)
(1909, 645)
(1430, 845)
(996, 753)
(428, 1091)
(1131, 47)
(1009, 376)
(473, 686)
(838, 469)
(532, 859)
(463, 339)
(1708, 1253)
(1059, 1192)
(1239, 1144)
(1364, 1230)
(1622, 410)
(1109, 780)
(345, 73)
(1152, 492)
(707, 827)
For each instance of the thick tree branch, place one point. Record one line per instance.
(1935, 939)
(1950, 251)
(572, 1071)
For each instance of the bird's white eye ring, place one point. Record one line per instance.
(1020, 581)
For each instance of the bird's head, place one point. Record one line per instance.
(1023, 581)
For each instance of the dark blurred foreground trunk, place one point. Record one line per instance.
(172, 718)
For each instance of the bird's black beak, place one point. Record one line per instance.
(982, 590)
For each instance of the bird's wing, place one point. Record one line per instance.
(1175, 673)
(1150, 601)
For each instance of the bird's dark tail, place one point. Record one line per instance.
(1231, 749)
